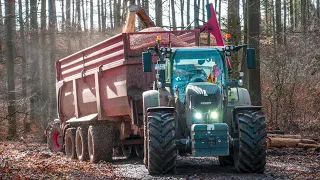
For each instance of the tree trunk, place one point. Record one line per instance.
(196, 13)
(295, 14)
(318, 12)
(158, 12)
(244, 65)
(44, 65)
(278, 22)
(188, 14)
(111, 16)
(173, 15)
(115, 13)
(79, 29)
(220, 13)
(146, 6)
(99, 16)
(291, 15)
(215, 5)
(117, 8)
(24, 59)
(254, 38)
(10, 32)
(103, 19)
(63, 18)
(73, 15)
(35, 78)
(91, 15)
(274, 29)
(303, 16)
(284, 22)
(181, 13)
(68, 25)
(233, 24)
(266, 5)
(84, 17)
(52, 58)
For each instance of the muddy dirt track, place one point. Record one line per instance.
(20, 160)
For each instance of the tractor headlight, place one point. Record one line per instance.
(214, 115)
(159, 85)
(198, 115)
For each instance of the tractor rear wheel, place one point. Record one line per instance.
(250, 153)
(161, 142)
(82, 144)
(54, 138)
(70, 143)
(100, 142)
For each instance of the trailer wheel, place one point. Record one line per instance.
(54, 138)
(100, 142)
(126, 151)
(250, 154)
(161, 144)
(70, 143)
(139, 151)
(82, 144)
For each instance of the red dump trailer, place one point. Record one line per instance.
(99, 95)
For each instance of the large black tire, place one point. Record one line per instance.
(70, 143)
(100, 142)
(250, 153)
(82, 144)
(161, 143)
(54, 138)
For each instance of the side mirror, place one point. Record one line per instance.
(147, 62)
(251, 58)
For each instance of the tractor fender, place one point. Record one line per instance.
(150, 99)
(239, 97)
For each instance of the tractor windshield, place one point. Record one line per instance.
(196, 65)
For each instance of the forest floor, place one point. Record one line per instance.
(30, 160)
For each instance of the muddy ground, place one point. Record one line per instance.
(23, 160)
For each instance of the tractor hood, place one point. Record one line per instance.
(203, 96)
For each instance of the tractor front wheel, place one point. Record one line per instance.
(54, 138)
(161, 142)
(250, 153)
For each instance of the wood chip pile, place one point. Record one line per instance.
(140, 42)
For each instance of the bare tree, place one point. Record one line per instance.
(233, 28)
(253, 8)
(44, 67)
(52, 58)
(35, 76)
(84, 17)
(99, 16)
(173, 15)
(63, 17)
(291, 15)
(91, 15)
(68, 24)
(303, 16)
(181, 13)
(10, 31)
(188, 13)
(278, 21)
(110, 15)
(158, 12)
(24, 61)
